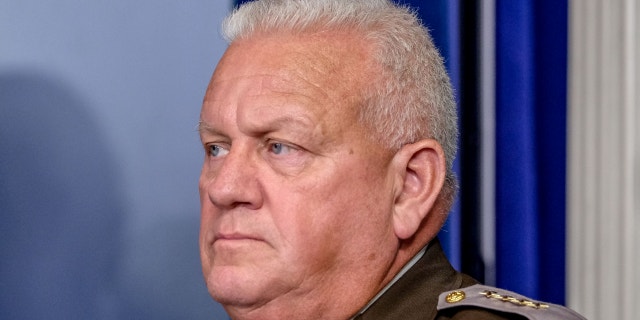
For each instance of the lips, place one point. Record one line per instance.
(231, 242)
(235, 236)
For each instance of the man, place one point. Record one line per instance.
(329, 129)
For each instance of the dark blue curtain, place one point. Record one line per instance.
(531, 50)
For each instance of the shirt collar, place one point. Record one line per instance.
(399, 275)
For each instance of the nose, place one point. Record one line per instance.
(234, 181)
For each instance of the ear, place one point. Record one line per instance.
(421, 170)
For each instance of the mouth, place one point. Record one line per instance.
(235, 242)
(235, 237)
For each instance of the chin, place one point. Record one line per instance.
(232, 287)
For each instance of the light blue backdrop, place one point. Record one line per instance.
(99, 157)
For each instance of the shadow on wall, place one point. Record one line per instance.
(60, 211)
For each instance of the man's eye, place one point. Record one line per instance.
(217, 150)
(279, 148)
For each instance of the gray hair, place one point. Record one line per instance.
(414, 98)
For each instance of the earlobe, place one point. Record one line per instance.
(421, 170)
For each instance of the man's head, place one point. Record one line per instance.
(329, 129)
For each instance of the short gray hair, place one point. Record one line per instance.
(414, 98)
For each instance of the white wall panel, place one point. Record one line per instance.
(603, 185)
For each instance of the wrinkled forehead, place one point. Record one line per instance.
(329, 68)
(259, 79)
(337, 60)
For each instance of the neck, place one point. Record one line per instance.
(320, 303)
(338, 298)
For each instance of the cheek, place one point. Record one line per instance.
(204, 247)
(205, 237)
(331, 215)
(207, 209)
(304, 225)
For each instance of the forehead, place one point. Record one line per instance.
(319, 55)
(320, 73)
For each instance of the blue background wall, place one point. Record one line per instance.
(99, 157)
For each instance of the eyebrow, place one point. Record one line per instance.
(298, 122)
(204, 126)
(282, 120)
(205, 129)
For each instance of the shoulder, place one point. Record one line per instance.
(484, 302)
